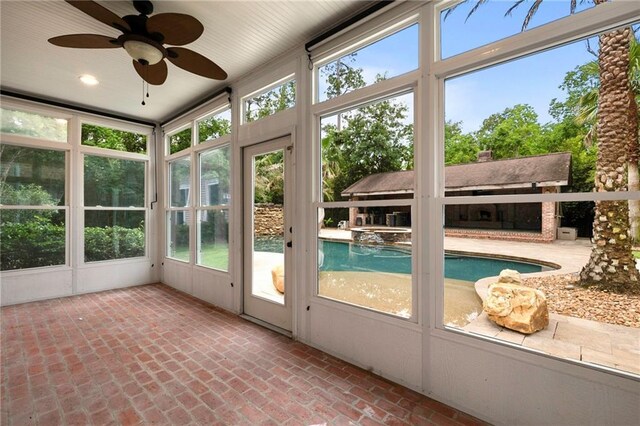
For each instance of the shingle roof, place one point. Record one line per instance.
(524, 172)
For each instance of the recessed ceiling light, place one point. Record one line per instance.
(89, 80)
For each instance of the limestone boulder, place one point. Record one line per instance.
(517, 307)
(277, 275)
(509, 276)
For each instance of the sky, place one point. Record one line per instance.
(473, 97)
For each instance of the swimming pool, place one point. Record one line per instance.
(344, 256)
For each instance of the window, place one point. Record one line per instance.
(516, 143)
(105, 137)
(463, 29)
(365, 250)
(180, 141)
(213, 210)
(33, 125)
(179, 204)
(33, 207)
(214, 126)
(388, 57)
(267, 103)
(114, 214)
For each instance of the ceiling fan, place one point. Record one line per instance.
(144, 37)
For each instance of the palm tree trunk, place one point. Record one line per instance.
(612, 265)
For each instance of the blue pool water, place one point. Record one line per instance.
(342, 256)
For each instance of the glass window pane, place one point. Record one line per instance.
(31, 176)
(584, 297)
(113, 182)
(214, 177)
(180, 182)
(389, 57)
(215, 126)
(105, 137)
(367, 152)
(268, 103)
(213, 239)
(180, 141)
(31, 238)
(33, 125)
(364, 257)
(462, 29)
(178, 235)
(113, 234)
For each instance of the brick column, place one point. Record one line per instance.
(549, 220)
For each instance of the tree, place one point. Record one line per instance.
(459, 148)
(277, 99)
(611, 265)
(105, 137)
(587, 109)
(515, 132)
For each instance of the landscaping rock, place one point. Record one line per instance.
(517, 307)
(509, 276)
(277, 275)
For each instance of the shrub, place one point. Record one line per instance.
(112, 242)
(36, 242)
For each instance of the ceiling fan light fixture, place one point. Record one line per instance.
(141, 51)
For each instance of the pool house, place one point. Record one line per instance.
(180, 182)
(541, 174)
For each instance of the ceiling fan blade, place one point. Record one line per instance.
(196, 63)
(178, 29)
(85, 41)
(100, 13)
(152, 74)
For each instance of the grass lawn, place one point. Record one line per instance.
(636, 254)
(211, 255)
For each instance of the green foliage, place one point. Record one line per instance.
(113, 182)
(32, 243)
(112, 242)
(180, 141)
(25, 195)
(105, 137)
(213, 128)
(277, 99)
(370, 139)
(342, 77)
(269, 178)
(33, 125)
(459, 148)
(515, 132)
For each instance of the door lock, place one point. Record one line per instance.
(290, 244)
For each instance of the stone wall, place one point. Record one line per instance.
(268, 219)
(533, 237)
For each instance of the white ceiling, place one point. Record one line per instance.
(239, 36)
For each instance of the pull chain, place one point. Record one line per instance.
(143, 103)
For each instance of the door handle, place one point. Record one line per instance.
(290, 244)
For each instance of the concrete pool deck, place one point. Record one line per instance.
(567, 337)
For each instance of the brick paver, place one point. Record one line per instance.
(153, 355)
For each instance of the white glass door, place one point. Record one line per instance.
(267, 232)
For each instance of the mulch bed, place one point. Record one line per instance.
(566, 297)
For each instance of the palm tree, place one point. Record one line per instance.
(587, 114)
(611, 265)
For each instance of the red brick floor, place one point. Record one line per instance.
(152, 355)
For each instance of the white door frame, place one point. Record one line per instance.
(260, 309)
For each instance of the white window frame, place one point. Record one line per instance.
(587, 23)
(395, 86)
(83, 151)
